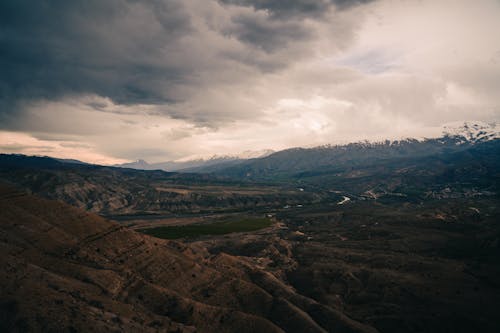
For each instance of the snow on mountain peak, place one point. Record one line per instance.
(473, 131)
(247, 154)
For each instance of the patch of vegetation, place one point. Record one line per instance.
(216, 228)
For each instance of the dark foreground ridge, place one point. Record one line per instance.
(64, 269)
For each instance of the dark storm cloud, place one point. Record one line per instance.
(113, 48)
(181, 57)
(301, 8)
(267, 34)
(133, 52)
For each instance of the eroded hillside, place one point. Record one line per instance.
(67, 269)
(117, 191)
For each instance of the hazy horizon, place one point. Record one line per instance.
(116, 81)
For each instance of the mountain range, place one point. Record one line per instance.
(194, 163)
(453, 165)
(257, 164)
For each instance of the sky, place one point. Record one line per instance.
(118, 80)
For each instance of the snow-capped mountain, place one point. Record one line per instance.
(453, 134)
(329, 159)
(476, 131)
(195, 162)
(245, 155)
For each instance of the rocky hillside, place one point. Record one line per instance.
(64, 269)
(119, 191)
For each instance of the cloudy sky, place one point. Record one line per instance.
(117, 80)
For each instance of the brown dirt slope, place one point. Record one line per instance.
(63, 269)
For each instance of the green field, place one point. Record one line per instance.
(216, 228)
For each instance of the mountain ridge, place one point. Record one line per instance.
(460, 133)
(294, 161)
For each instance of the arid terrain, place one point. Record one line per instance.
(356, 267)
(67, 270)
(391, 245)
